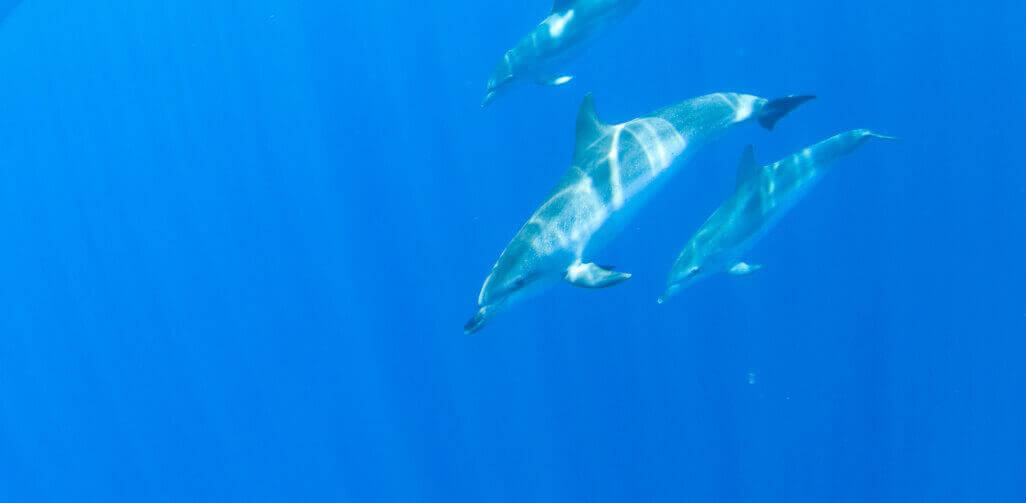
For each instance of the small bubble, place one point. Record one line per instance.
(752, 379)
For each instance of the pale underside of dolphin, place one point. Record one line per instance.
(763, 194)
(614, 167)
(541, 53)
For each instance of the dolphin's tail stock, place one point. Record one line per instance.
(775, 109)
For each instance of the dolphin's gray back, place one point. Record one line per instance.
(561, 34)
(704, 118)
(781, 184)
(626, 159)
(634, 152)
(623, 163)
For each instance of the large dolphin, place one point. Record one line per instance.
(539, 54)
(762, 195)
(614, 166)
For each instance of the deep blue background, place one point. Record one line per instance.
(240, 240)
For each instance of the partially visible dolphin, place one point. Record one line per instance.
(6, 7)
(614, 166)
(538, 55)
(762, 195)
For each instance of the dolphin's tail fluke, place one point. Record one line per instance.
(776, 109)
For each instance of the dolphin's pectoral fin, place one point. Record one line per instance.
(555, 81)
(743, 269)
(592, 276)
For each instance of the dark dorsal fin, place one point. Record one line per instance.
(589, 127)
(562, 5)
(747, 168)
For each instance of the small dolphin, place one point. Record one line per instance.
(614, 166)
(762, 196)
(538, 55)
(6, 8)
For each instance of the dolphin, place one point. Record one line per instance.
(762, 195)
(539, 54)
(6, 8)
(614, 167)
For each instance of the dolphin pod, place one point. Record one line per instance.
(540, 53)
(762, 196)
(614, 167)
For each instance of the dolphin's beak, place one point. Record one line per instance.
(883, 136)
(488, 99)
(475, 323)
(670, 292)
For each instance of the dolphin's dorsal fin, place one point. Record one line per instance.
(747, 168)
(589, 127)
(562, 5)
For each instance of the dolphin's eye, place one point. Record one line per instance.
(519, 282)
(694, 270)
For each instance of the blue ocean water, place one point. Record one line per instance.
(241, 240)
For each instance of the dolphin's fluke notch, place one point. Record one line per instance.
(776, 109)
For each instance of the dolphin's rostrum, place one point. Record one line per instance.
(614, 167)
(538, 55)
(763, 194)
